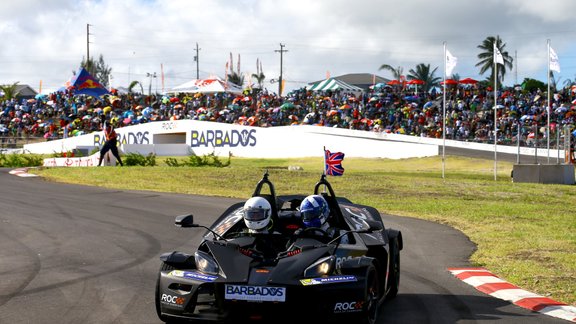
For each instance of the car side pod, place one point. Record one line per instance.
(176, 257)
(357, 263)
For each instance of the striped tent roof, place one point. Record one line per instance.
(333, 84)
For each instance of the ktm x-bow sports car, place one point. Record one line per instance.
(235, 275)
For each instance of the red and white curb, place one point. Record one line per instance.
(488, 283)
(22, 172)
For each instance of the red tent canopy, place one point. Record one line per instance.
(468, 81)
(415, 81)
(450, 82)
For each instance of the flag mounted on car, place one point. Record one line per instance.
(333, 163)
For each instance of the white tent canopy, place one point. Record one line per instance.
(209, 85)
(333, 84)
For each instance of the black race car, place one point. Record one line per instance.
(286, 274)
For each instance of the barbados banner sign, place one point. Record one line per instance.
(86, 84)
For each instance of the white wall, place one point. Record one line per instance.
(204, 137)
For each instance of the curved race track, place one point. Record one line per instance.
(76, 254)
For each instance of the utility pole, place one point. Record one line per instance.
(87, 43)
(281, 51)
(197, 60)
(515, 67)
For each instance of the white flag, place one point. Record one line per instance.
(554, 64)
(498, 58)
(451, 61)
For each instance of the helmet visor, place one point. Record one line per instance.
(309, 215)
(255, 214)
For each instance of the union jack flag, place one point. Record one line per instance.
(333, 163)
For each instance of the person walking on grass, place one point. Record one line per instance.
(111, 144)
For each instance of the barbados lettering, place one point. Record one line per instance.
(219, 138)
(127, 138)
(250, 290)
(255, 293)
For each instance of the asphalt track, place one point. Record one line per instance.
(78, 254)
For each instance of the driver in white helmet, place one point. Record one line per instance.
(257, 215)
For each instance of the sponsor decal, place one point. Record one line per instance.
(192, 275)
(358, 217)
(327, 280)
(174, 301)
(348, 307)
(339, 261)
(168, 125)
(256, 293)
(220, 138)
(228, 222)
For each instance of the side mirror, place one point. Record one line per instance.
(370, 226)
(373, 225)
(185, 221)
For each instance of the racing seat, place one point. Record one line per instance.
(289, 218)
(271, 197)
(335, 219)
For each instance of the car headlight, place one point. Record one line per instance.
(319, 268)
(206, 263)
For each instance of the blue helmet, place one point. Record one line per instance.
(314, 210)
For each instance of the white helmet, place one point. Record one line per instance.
(257, 211)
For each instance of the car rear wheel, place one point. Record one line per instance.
(371, 296)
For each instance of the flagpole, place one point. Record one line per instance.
(495, 111)
(324, 165)
(548, 107)
(444, 118)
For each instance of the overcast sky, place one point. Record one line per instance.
(46, 40)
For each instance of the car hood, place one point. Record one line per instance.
(240, 268)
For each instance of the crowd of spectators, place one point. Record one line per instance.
(469, 112)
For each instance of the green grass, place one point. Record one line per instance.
(526, 233)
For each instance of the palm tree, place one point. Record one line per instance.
(396, 72)
(236, 78)
(9, 90)
(568, 83)
(97, 69)
(133, 84)
(487, 57)
(423, 72)
(259, 75)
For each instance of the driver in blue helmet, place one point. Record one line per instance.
(315, 212)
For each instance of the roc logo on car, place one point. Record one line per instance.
(348, 307)
(172, 300)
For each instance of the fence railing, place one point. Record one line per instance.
(14, 142)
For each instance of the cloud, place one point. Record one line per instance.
(46, 40)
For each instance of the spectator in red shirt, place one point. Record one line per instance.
(111, 144)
